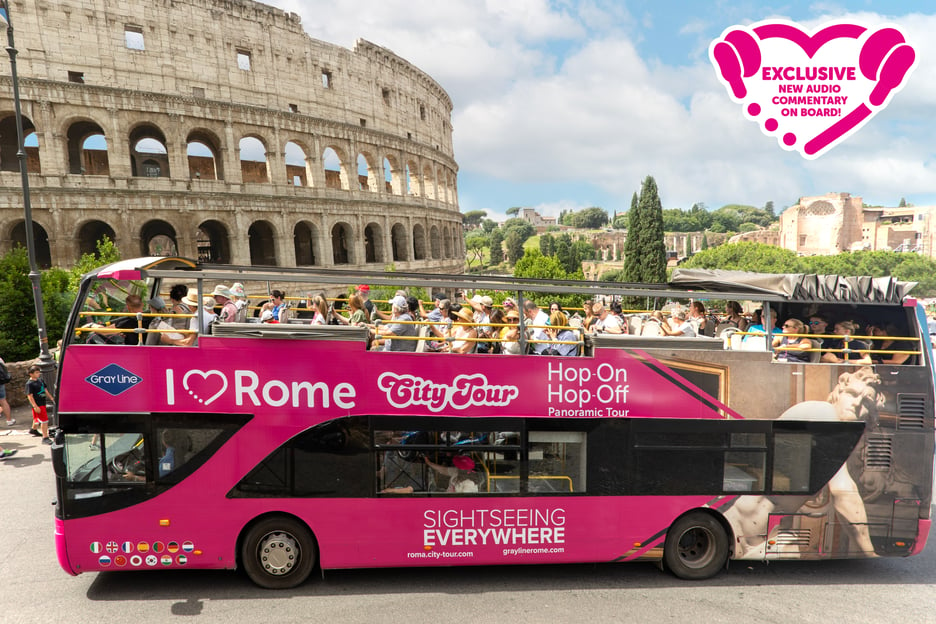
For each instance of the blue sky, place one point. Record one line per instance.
(566, 104)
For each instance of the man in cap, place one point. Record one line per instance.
(482, 305)
(398, 327)
(364, 291)
(225, 298)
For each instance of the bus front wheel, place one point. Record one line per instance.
(278, 553)
(696, 547)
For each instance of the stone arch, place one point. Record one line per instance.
(342, 236)
(41, 245)
(149, 156)
(253, 160)
(419, 242)
(373, 243)
(158, 238)
(435, 242)
(412, 179)
(213, 242)
(90, 233)
(262, 239)
(398, 242)
(429, 182)
(87, 149)
(307, 240)
(447, 242)
(9, 161)
(202, 147)
(335, 165)
(366, 174)
(393, 177)
(297, 164)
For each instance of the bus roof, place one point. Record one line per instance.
(686, 283)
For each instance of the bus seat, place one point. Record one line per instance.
(815, 354)
(422, 334)
(754, 343)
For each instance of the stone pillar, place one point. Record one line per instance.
(230, 153)
(118, 150)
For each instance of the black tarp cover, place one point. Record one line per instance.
(797, 286)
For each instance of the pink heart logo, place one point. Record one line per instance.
(812, 91)
(205, 383)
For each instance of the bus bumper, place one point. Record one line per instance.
(60, 550)
(921, 537)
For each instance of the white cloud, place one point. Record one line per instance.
(558, 92)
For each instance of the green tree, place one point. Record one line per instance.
(19, 332)
(903, 202)
(523, 228)
(106, 253)
(620, 222)
(769, 209)
(513, 211)
(547, 244)
(590, 218)
(514, 243)
(496, 243)
(473, 218)
(652, 251)
(535, 265)
(746, 256)
(631, 272)
(475, 243)
(488, 225)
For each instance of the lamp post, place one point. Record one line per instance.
(46, 363)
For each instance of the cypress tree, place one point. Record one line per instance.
(631, 271)
(497, 248)
(652, 250)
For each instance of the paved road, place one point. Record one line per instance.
(34, 589)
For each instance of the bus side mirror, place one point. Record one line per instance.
(58, 454)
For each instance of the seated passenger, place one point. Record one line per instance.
(558, 332)
(794, 345)
(680, 326)
(757, 324)
(888, 341)
(398, 326)
(461, 479)
(134, 305)
(460, 336)
(319, 310)
(733, 316)
(856, 349)
(510, 335)
(606, 323)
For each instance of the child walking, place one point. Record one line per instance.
(37, 393)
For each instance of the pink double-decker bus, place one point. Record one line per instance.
(773, 417)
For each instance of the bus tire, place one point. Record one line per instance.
(696, 546)
(278, 553)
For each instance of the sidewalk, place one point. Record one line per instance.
(17, 437)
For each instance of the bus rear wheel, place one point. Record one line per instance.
(696, 547)
(278, 553)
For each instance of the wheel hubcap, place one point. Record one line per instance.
(696, 547)
(279, 553)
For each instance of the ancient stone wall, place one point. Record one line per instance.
(218, 129)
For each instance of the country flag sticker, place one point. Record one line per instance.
(120, 560)
(181, 559)
(143, 547)
(127, 547)
(104, 560)
(152, 560)
(188, 546)
(172, 547)
(112, 547)
(97, 547)
(166, 560)
(158, 547)
(136, 561)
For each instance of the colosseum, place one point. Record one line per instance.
(218, 129)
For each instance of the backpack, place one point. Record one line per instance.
(4, 374)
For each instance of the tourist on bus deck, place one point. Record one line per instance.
(37, 394)
(319, 310)
(757, 324)
(818, 325)
(399, 310)
(134, 305)
(538, 320)
(369, 307)
(857, 349)
(225, 299)
(887, 340)
(277, 305)
(698, 320)
(563, 337)
(734, 317)
(240, 301)
(680, 327)
(461, 334)
(796, 346)
(482, 306)
(510, 335)
(606, 322)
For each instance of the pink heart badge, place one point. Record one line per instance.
(812, 91)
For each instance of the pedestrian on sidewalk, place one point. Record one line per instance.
(37, 393)
(4, 404)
